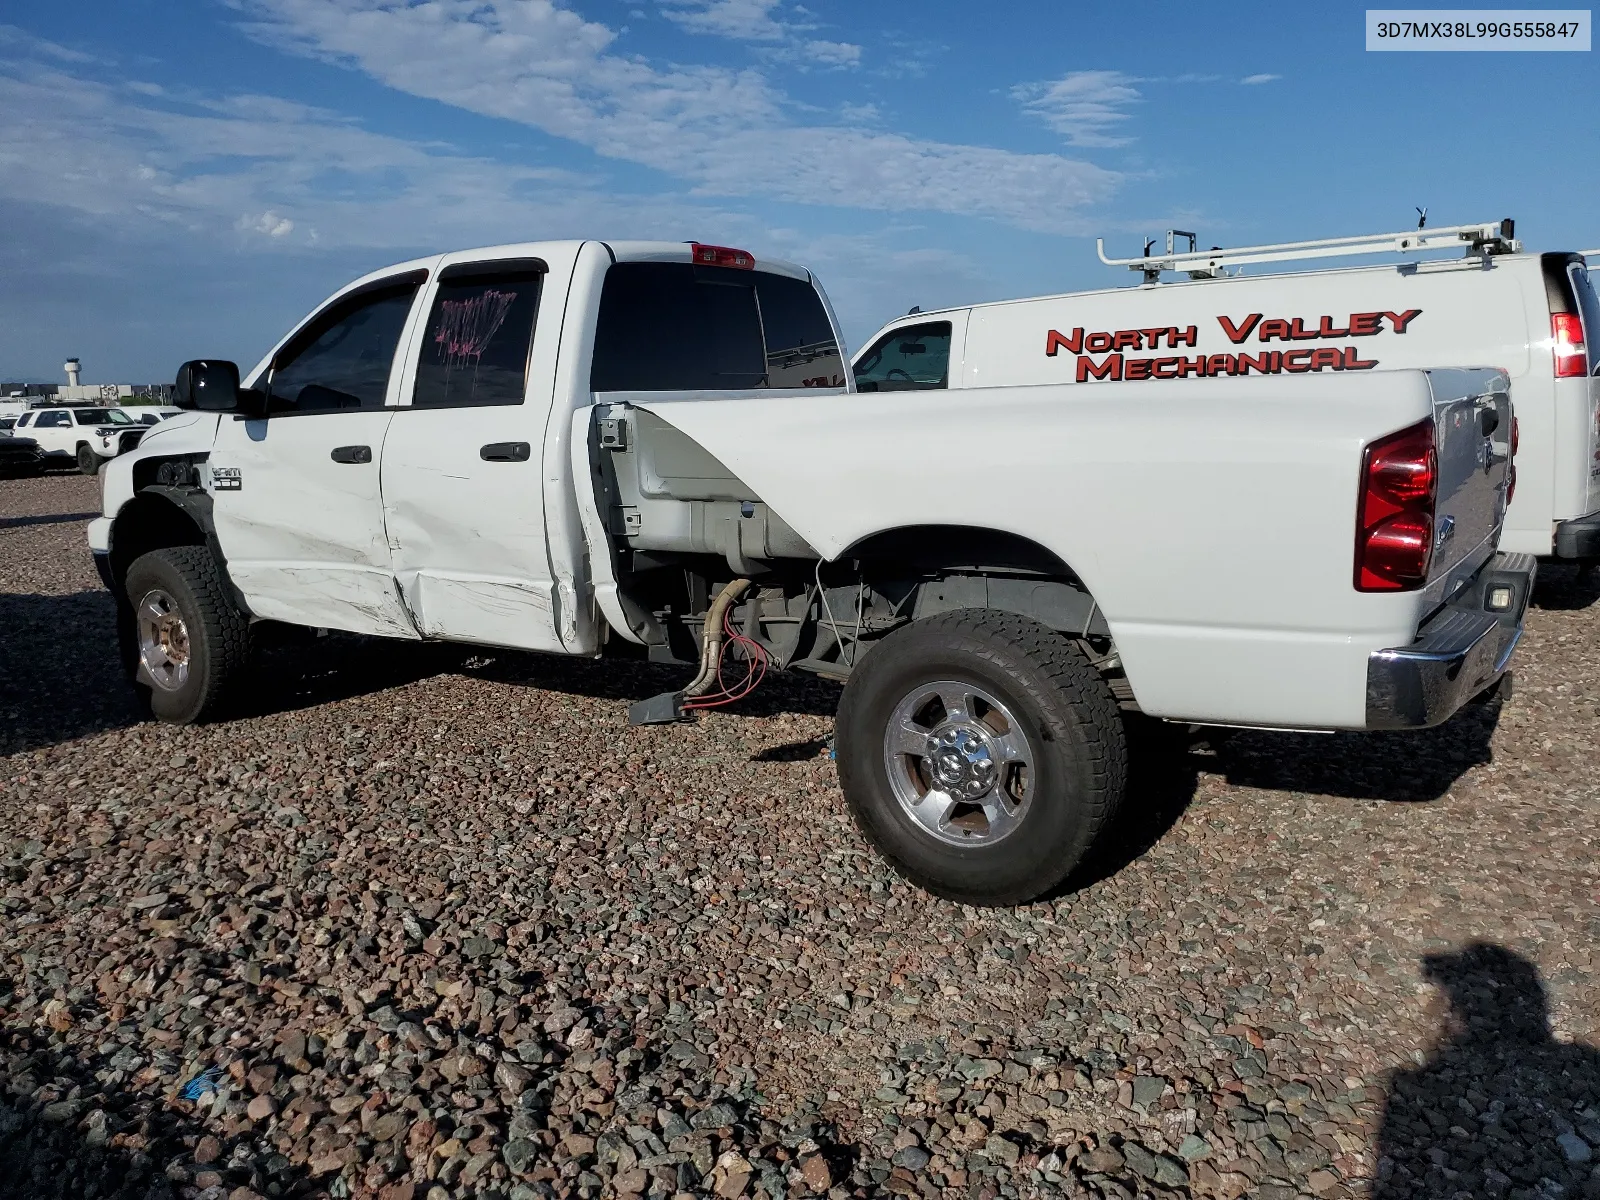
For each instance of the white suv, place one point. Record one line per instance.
(86, 436)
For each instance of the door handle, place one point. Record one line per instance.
(506, 452)
(351, 454)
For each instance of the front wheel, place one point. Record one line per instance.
(88, 461)
(982, 755)
(183, 637)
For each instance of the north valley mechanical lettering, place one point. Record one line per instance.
(1117, 365)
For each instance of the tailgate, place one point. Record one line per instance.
(1472, 436)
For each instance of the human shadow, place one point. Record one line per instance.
(66, 1132)
(1409, 766)
(1500, 1108)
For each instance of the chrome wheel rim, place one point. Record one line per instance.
(959, 763)
(163, 641)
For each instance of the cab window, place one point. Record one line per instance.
(479, 334)
(53, 420)
(341, 360)
(911, 358)
(24, 420)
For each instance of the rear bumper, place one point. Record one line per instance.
(1579, 538)
(1459, 652)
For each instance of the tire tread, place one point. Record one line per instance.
(226, 629)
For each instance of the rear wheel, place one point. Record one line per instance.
(88, 461)
(186, 641)
(982, 754)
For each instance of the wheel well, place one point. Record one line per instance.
(958, 548)
(150, 521)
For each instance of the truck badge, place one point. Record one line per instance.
(226, 479)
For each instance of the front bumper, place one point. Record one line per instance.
(1459, 652)
(1579, 538)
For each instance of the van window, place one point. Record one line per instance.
(1588, 312)
(681, 327)
(910, 358)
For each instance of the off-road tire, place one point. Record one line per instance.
(218, 633)
(88, 461)
(1067, 712)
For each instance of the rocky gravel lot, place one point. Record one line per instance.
(430, 923)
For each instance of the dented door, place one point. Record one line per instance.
(462, 478)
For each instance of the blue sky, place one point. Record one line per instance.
(187, 177)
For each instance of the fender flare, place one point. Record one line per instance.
(158, 511)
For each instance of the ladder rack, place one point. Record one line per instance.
(1491, 237)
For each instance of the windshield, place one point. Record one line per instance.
(102, 416)
(912, 357)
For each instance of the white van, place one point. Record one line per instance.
(1536, 316)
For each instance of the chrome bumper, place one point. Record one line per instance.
(1459, 652)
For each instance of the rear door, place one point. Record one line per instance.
(295, 495)
(462, 494)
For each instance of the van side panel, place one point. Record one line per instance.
(1452, 313)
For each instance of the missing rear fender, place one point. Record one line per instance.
(825, 620)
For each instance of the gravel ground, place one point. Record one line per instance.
(427, 923)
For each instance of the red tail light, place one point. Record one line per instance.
(1567, 332)
(1394, 523)
(721, 256)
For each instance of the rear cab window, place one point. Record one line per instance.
(684, 327)
(911, 358)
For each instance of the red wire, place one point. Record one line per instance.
(755, 658)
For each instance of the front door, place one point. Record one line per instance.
(295, 495)
(462, 481)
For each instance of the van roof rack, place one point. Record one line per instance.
(1491, 237)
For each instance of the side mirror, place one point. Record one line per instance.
(208, 384)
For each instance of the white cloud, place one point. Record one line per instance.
(725, 132)
(269, 223)
(1086, 107)
(1260, 78)
(743, 20)
(833, 54)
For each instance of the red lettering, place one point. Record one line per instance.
(1274, 329)
(1299, 332)
(1136, 368)
(1152, 337)
(1183, 337)
(1054, 341)
(1274, 361)
(1219, 364)
(1126, 339)
(1170, 363)
(1352, 363)
(1110, 369)
(1326, 329)
(1238, 333)
(1295, 361)
(1326, 356)
(1192, 366)
(1261, 364)
(1365, 324)
(1097, 343)
(1401, 320)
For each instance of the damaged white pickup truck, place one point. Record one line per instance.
(654, 449)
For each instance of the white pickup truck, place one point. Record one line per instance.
(1534, 315)
(653, 449)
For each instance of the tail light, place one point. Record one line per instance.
(1566, 330)
(1394, 522)
(721, 256)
